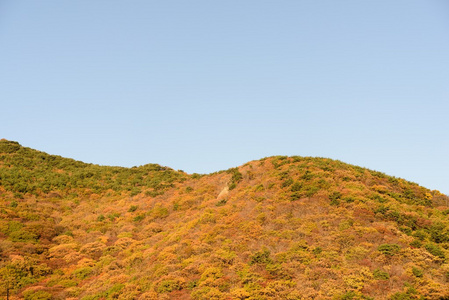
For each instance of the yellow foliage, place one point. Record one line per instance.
(292, 228)
(62, 250)
(355, 282)
(240, 294)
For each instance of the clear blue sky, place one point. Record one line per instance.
(208, 85)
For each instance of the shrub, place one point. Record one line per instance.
(435, 250)
(113, 216)
(416, 244)
(420, 235)
(68, 283)
(133, 208)
(23, 236)
(406, 230)
(83, 273)
(207, 293)
(296, 196)
(259, 188)
(221, 202)
(235, 179)
(349, 199)
(9, 146)
(296, 187)
(37, 295)
(380, 275)
(317, 250)
(417, 272)
(311, 190)
(211, 274)
(335, 198)
(307, 175)
(114, 291)
(166, 286)
(401, 296)
(135, 191)
(261, 257)
(287, 182)
(379, 199)
(154, 193)
(389, 249)
(236, 175)
(347, 296)
(438, 233)
(12, 226)
(139, 218)
(192, 284)
(160, 212)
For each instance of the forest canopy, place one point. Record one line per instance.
(275, 228)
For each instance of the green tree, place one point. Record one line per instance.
(9, 282)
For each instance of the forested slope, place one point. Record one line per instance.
(275, 228)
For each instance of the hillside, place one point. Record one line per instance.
(276, 228)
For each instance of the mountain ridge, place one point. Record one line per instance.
(275, 228)
(13, 146)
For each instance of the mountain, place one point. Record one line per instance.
(275, 228)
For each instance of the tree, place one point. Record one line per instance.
(9, 275)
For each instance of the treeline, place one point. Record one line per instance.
(27, 171)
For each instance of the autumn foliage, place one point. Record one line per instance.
(276, 228)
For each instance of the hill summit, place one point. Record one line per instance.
(275, 228)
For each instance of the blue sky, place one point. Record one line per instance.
(208, 85)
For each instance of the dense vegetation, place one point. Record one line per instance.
(276, 228)
(28, 171)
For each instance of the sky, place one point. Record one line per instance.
(203, 86)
